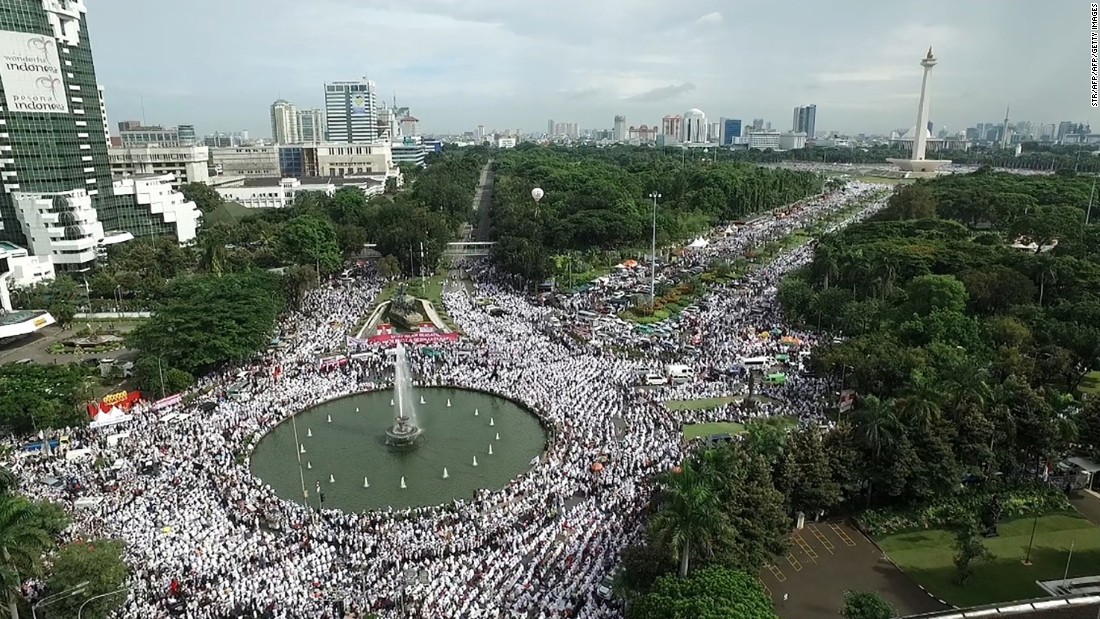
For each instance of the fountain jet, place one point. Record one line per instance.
(366, 484)
(403, 486)
(445, 473)
(404, 432)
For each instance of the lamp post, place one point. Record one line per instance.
(1034, 523)
(653, 252)
(96, 597)
(77, 590)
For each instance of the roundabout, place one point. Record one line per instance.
(460, 427)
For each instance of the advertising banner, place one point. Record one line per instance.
(414, 338)
(359, 105)
(171, 400)
(847, 400)
(31, 74)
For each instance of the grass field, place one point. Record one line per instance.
(1091, 383)
(695, 430)
(927, 556)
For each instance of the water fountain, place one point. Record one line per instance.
(404, 432)
(403, 486)
(309, 433)
(492, 422)
(366, 483)
(445, 473)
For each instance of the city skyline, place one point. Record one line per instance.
(481, 62)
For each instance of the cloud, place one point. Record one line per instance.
(580, 94)
(884, 74)
(710, 18)
(661, 94)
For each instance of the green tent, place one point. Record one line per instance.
(432, 352)
(776, 379)
(783, 358)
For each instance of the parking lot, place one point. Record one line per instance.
(826, 559)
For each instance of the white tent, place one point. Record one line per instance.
(110, 418)
(698, 243)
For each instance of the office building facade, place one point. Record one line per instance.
(245, 160)
(188, 164)
(58, 196)
(620, 128)
(311, 126)
(351, 112)
(804, 120)
(730, 131)
(284, 123)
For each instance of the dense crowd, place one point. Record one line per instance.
(208, 540)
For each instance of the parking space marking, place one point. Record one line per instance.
(844, 537)
(794, 562)
(810, 552)
(778, 573)
(766, 589)
(821, 538)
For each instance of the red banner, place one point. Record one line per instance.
(414, 338)
(122, 400)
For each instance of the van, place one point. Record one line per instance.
(606, 588)
(678, 374)
(756, 363)
(654, 378)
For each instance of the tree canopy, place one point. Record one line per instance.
(35, 396)
(712, 593)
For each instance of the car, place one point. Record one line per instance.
(606, 588)
(654, 378)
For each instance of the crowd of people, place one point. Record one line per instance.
(206, 539)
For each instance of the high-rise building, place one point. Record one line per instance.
(730, 130)
(672, 126)
(103, 113)
(311, 126)
(620, 128)
(351, 115)
(183, 135)
(58, 197)
(284, 122)
(550, 128)
(694, 129)
(805, 120)
(758, 124)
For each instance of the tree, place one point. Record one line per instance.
(205, 321)
(866, 605)
(689, 515)
(34, 397)
(299, 280)
(389, 267)
(99, 563)
(968, 549)
(712, 593)
(806, 473)
(155, 379)
(912, 202)
(205, 197)
(643, 564)
(22, 542)
(929, 293)
(309, 240)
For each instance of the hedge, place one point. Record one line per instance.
(1018, 502)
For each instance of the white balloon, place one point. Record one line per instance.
(537, 194)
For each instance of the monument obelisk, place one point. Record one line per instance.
(917, 165)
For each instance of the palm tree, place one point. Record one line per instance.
(690, 514)
(1044, 270)
(920, 406)
(877, 424)
(22, 542)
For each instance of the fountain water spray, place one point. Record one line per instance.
(366, 484)
(448, 402)
(403, 486)
(404, 431)
(475, 460)
(492, 422)
(309, 465)
(498, 436)
(490, 449)
(302, 449)
(309, 433)
(476, 413)
(329, 420)
(445, 473)
(331, 479)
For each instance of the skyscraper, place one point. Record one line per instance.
(311, 126)
(620, 128)
(284, 122)
(550, 128)
(805, 120)
(730, 131)
(103, 114)
(58, 197)
(694, 129)
(351, 115)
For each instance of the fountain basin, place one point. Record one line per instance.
(355, 446)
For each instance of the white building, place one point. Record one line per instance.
(155, 195)
(351, 111)
(189, 164)
(792, 140)
(311, 126)
(506, 143)
(764, 139)
(409, 150)
(620, 128)
(410, 126)
(694, 129)
(280, 192)
(342, 160)
(64, 226)
(259, 161)
(25, 268)
(284, 123)
(103, 113)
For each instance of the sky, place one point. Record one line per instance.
(219, 64)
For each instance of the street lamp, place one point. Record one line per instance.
(96, 597)
(653, 252)
(77, 590)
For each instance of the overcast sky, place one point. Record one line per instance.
(219, 64)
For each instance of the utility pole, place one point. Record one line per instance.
(1088, 211)
(653, 253)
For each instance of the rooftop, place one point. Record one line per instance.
(338, 181)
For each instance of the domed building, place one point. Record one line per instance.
(694, 127)
(904, 139)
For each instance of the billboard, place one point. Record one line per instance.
(31, 74)
(359, 105)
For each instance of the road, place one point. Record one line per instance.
(483, 200)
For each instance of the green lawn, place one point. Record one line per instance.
(1091, 383)
(927, 556)
(695, 430)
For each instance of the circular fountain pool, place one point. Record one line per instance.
(353, 446)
